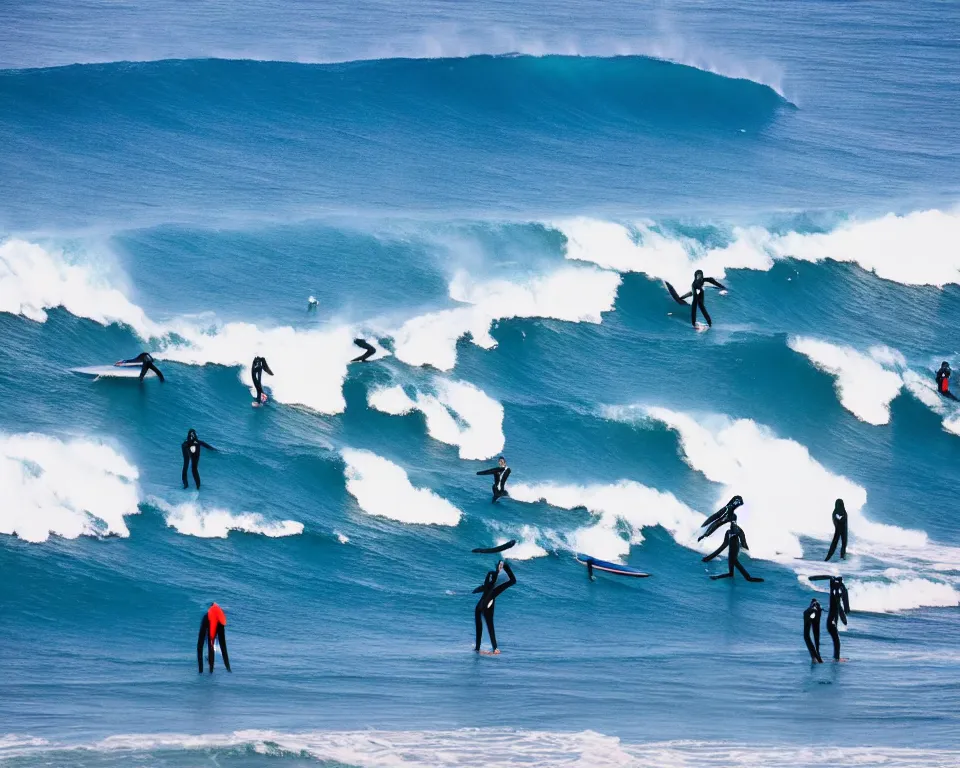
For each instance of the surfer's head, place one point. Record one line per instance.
(192, 436)
(698, 274)
(814, 603)
(838, 507)
(502, 461)
(736, 501)
(944, 366)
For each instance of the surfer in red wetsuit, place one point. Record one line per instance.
(943, 380)
(213, 627)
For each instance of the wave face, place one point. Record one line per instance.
(493, 197)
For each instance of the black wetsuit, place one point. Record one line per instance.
(484, 610)
(146, 360)
(839, 531)
(696, 291)
(943, 382)
(191, 456)
(500, 475)
(256, 372)
(204, 636)
(370, 351)
(811, 621)
(839, 608)
(721, 517)
(735, 539)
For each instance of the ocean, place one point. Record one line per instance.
(494, 194)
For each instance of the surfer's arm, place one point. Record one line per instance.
(488, 471)
(713, 527)
(743, 539)
(138, 359)
(206, 445)
(204, 630)
(687, 295)
(503, 478)
(846, 602)
(726, 542)
(511, 580)
(717, 283)
(818, 578)
(267, 368)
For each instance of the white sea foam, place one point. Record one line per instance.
(866, 383)
(626, 503)
(480, 748)
(457, 413)
(383, 489)
(34, 279)
(574, 294)
(66, 488)
(191, 518)
(914, 249)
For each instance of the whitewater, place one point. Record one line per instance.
(494, 197)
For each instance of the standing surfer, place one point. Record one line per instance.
(943, 380)
(697, 292)
(811, 622)
(257, 370)
(484, 610)
(839, 531)
(191, 456)
(213, 627)
(839, 608)
(735, 540)
(500, 474)
(146, 364)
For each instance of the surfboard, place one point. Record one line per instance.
(603, 565)
(112, 372)
(494, 550)
(674, 295)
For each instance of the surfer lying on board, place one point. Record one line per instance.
(839, 608)
(696, 291)
(256, 373)
(213, 627)
(369, 350)
(721, 517)
(191, 455)
(735, 539)
(811, 621)
(943, 380)
(839, 517)
(500, 474)
(484, 610)
(146, 361)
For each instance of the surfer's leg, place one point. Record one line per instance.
(143, 370)
(222, 637)
(833, 545)
(590, 570)
(155, 370)
(722, 576)
(369, 351)
(488, 616)
(194, 462)
(210, 653)
(693, 312)
(258, 386)
(477, 617)
(186, 462)
(200, 651)
(706, 315)
(843, 543)
(746, 575)
(832, 629)
(814, 655)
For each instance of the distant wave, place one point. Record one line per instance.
(467, 748)
(191, 518)
(65, 488)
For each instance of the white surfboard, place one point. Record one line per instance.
(112, 372)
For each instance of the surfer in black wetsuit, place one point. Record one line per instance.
(943, 380)
(369, 351)
(839, 608)
(500, 474)
(146, 364)
(191, 456)
(735, 539)
(257, 369)
(839, 531)
(696, 291)
(213, 627)
(811, 621)
(721, 517)
(484, 610)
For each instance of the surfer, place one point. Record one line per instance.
(721, 517)
(697, 292)
(839, 531)
(146, 364)
(256, 373)
(191, 456)
(811, 621)
(839, 608)
(484, 610)
(500, 474)
(213, 627)
(735, 539)
(369, 351)
(943, 380)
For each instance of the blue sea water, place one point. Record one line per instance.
(495, 192)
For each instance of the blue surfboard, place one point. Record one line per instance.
(608, 567)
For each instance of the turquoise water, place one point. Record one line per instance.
(497, 200)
